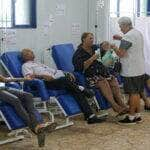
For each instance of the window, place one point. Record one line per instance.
(126, 8)
(130, 8)
(18, 13)
(5, 13)
(114, 8)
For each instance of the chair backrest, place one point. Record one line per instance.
(12, 62)
(62, 55)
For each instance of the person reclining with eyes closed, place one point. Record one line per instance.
(59, 80)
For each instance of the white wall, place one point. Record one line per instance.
(60, 31)
(101, 19)
(82, 12)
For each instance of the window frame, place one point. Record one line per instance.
(138, 9)
(148, 8)
(32, 23)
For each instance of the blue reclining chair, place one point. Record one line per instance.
(12, 62)
(14, 123)
(62, 55)
(9, 115)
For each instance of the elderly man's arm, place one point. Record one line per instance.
(28, 72)
(122, 50)
(44, 77)
(117, 37)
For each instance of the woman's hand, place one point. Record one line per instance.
(88, 62)
(95, 56)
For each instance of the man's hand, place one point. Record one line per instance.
(47, 77)
(28, 78)
(31, 76)
(117, 37)
(71, 76)
(114, 47)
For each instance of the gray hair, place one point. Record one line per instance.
(125, 21)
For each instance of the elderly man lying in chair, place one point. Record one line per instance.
(59, 80)
(23, 104)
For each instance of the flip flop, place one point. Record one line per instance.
(41, 132)
(50, 126)
(41, 139)
(122, 113)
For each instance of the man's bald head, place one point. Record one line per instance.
(27, 55)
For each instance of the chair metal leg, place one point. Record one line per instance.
(10, 140)
(66, 124)
(44, 109)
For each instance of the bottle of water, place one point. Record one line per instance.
(97, 52)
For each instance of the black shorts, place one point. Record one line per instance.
(147, 77)
(133, 85)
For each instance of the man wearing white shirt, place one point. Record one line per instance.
(131, 55)
(59, 80)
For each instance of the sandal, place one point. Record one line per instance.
(123, 112)
(50, 126)
(41, 139)
(41, 132)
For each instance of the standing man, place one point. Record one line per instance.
(132, 59)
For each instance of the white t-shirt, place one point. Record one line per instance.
(133, 62)
(32, 67)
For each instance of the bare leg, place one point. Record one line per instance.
(104, 87)
(134, 104)
(116, 92)
(145, 99)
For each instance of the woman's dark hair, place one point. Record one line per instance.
(84, 36)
